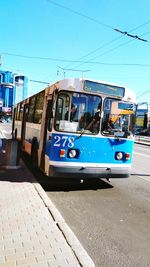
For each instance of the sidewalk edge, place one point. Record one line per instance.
(80, 253)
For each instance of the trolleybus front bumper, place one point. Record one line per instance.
(89, 172)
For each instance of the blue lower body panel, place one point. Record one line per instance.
(96, 156)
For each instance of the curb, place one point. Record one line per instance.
(80, 253)
(82, 256)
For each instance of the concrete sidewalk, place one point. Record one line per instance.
(32, 231)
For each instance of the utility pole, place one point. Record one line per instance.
(76, 70)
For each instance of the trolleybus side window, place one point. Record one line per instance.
(39, 108)
(31, 109)
(61, 109)
(62, 106)
(17, 112)
(20, 117)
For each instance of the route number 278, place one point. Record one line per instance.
(63, 141)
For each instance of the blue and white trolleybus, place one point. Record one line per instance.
(78, 128)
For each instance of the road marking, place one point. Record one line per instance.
(148, 180)
(142, 176)
(141, 154)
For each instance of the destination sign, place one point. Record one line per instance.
(107, 89)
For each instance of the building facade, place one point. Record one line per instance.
(13, 89)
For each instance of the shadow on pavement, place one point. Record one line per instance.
(74, 185)
(65, 184)
(20, 174)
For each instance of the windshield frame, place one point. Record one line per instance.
(85, 106)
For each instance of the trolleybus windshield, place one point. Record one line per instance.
(75, 112)
(118, 118)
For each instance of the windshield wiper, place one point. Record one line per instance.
(81, 133)
(84, 130)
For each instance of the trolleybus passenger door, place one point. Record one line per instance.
(47, 127)
(13, 123)
(23, 129)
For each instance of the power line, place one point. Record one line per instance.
(103, 24)
(35, 81)
(78, 61)
(99, 48)
(140, 26)
(144, 93)
(94, 20)
(130, 35)
(93, 51)
(64, 69)
(112, 49)
(89, 61)
(97, 21)
(110, 42)
(80, 14)
(33, 57)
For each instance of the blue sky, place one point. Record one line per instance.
(43, 38)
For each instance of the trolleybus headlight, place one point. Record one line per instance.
(73, 153)
(119, 155)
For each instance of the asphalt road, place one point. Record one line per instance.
(112, 221)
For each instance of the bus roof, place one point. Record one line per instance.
(77, 84)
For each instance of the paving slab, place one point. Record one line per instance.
(32, 231)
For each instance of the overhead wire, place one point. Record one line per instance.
(90, 61)
(106, 25)
(114, 48)
(101, 23)
(79, 14)
(144, 93)
(74, 61)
